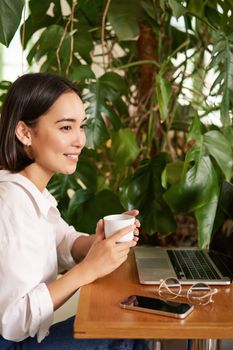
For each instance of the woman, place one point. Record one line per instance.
(42, 132)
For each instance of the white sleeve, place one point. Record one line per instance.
(26, 307)
(66, 235)
(27, 316)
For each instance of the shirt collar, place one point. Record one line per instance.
(44, 200)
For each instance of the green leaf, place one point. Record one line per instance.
(124, 149)
(112, 116)
(4, 87)
(89, 13)
(226, 198)
(228, 133)
(193, 191)
(40, 19)
(96, 131)
(10, 16)
(174, 171)
(213, 17)
(222, 62)
(218, 55)
(225, 105)
(149, 9)
(217, 81)
(80, 196)
(197, 193)
(144, 191)
(205, 217)
(230, 71)
(196, 7)
(33, 24)
(48, 44)
(81, 72)
(163, 94)
(123, 16)
(94, 208)
(219, 148)
(114, 81)
(177, 9)
(86, 174)
(83, 44)
(59, 186)
(196, 131)
(103, 100)
(183, 118)
(38, 9)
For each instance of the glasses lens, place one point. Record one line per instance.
(170, 287)
(200, 293)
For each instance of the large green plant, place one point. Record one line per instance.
(142, 67)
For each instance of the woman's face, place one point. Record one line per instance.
(59, 136)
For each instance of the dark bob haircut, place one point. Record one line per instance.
(29, 97)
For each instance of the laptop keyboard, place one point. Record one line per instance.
(192, 264)
(223, 262)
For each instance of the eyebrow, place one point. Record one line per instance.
(72, 120)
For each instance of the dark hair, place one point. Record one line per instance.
(29, 97)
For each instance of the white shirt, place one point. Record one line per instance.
(34, 239)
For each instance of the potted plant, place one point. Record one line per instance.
(143, 69)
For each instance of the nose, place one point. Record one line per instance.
(79, 139)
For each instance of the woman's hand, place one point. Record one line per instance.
(134, 212)
(100, 225)
(105, 255)
(83, 243)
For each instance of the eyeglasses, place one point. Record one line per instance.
(198, 294)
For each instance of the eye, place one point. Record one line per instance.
(83, 126)
(66, 128)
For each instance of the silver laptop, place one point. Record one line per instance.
(189, 265)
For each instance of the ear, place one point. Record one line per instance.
(23, 133)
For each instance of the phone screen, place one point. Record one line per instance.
(158, 306)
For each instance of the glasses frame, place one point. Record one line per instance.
(204, 299)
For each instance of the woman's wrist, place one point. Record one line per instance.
(81, 247)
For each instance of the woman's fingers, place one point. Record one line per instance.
(133, 212)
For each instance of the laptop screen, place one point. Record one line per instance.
(221, 249)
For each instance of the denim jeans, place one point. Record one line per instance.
(61, 337)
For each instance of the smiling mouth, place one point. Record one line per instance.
(72, 156)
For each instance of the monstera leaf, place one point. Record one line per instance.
(226, 198)
(123, 16)
(220, 148)
(38, 18)
(84, 178)
(10, 16)
(88, 208)
(54, 34)
(103, 101)
(144, 191)
(124, 149)
(197, 192)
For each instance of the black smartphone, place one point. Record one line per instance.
(157, 306)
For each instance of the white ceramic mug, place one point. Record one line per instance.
(113, 223)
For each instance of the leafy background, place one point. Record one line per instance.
(152, 74)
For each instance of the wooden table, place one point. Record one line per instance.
(99, 314)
